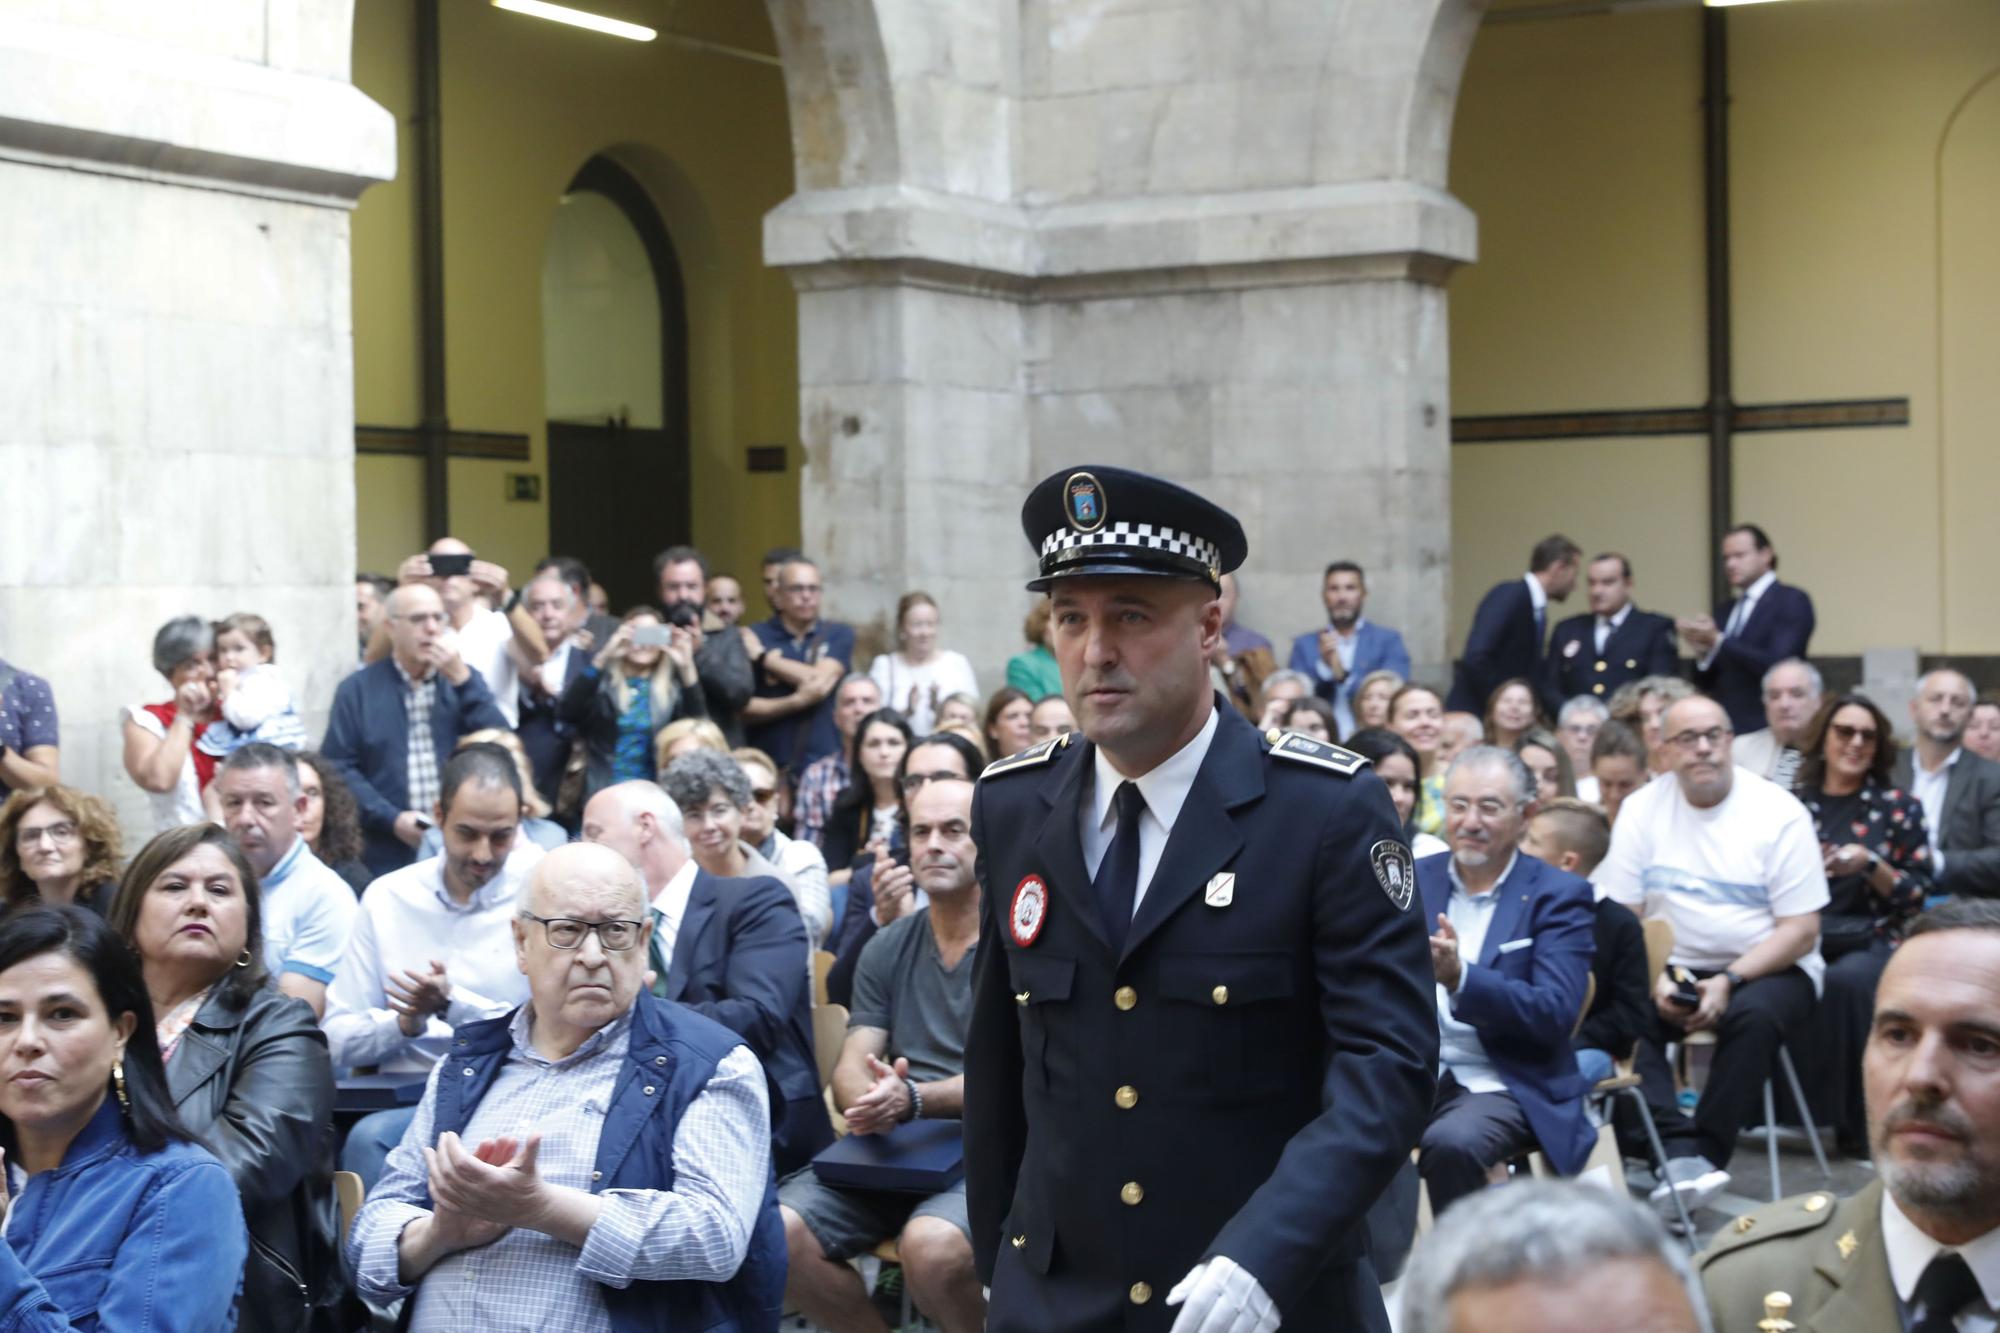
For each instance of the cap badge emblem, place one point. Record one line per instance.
(1083, 502)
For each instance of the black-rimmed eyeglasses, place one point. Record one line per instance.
(567, 932)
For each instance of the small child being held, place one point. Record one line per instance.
(256, 705)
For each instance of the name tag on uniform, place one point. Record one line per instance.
(1512, 945)
(1221, 890)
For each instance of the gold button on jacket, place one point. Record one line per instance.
(1127, 1097)
(1133, 1192)
(1141, 1293)
(1125, 997)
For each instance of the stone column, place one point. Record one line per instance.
(175, 344)
(1205, 240)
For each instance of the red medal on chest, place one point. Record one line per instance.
(1028, 910)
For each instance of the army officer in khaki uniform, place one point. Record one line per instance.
(1920, 1248)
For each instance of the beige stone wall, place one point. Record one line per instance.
(1205, 240)
(174, 186)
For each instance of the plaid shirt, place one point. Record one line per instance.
(696, 1231)
(418, 696)
(819, 786)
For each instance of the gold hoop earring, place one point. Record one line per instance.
(118, 1085)
(244, 961)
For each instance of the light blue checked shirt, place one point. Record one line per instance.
(697, 1231)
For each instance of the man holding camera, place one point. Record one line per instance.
(499, 641)
(720, 660)
(1733, 864)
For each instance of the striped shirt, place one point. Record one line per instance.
(697, 1231)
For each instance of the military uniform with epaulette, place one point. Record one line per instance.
(1243, 1074)
(1823, 1255)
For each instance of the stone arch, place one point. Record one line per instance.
(837, 80)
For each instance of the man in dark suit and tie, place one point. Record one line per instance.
(1959, 791)
(395, 722)
(1596, 653)
(1768, 622)
(1341, 653)
(1511, 955)
(1511, 624)
(733, 950)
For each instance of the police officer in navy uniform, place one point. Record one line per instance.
(1614, 642)
(1205, 1039)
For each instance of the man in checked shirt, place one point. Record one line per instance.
(597, 1160)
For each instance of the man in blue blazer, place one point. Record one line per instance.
(733, 950)
(1511, 955)
(1768, 622)
(423, 685)
(1511, 624)
(1596, 653)
(1338, 656)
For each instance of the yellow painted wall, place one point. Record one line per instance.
(1578, 143)
(525, 104)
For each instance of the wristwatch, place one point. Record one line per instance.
(1735, 980)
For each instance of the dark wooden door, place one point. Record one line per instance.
(618, 496)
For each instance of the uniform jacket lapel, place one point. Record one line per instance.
(1863, 1300)
(1059, 847)
(1204, 837)
(701, 906)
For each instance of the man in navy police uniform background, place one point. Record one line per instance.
(1203, 1037)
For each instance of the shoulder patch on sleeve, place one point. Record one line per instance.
(1787, 1217)
(1305, 750)
(1032, 757)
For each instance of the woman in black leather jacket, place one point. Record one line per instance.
(246, 1065)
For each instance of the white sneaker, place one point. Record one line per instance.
(1695, 1179)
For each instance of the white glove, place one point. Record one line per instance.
(1222, 1297)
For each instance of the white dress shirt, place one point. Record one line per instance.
(1538, 596)
(1929, 789)
(408, 918)
(670, 907)
(1607, 626)
(1739, 615)
(1911, 1251)
(1165, 790)
(1459, 1047)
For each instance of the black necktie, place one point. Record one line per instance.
(1946, 1288)
(1117, 881)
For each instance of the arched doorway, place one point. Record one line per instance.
(614, 354)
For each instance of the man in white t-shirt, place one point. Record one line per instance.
(1733, 864)
(498, 644)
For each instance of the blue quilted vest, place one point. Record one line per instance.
(672, 1055)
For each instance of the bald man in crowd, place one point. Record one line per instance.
(395, 723)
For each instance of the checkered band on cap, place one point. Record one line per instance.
(1132, 537)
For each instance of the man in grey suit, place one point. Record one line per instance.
(1960, 792)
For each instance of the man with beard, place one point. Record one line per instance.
(1341, 653)
(1733, 863)
(719, 660)
(1203, 1036)
(433, 944)
(1920, 1248)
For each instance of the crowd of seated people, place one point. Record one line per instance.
(408, 903)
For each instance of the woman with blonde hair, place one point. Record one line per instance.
(919, 676)
(58, 846)
(641, 679)
(689, 733)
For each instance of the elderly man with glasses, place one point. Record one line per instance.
(1733, 863)
(732, 949)
(597, 1159)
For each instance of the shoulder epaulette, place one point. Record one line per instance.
(1032, 757)
(1786, 1217)
(1305, 750)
